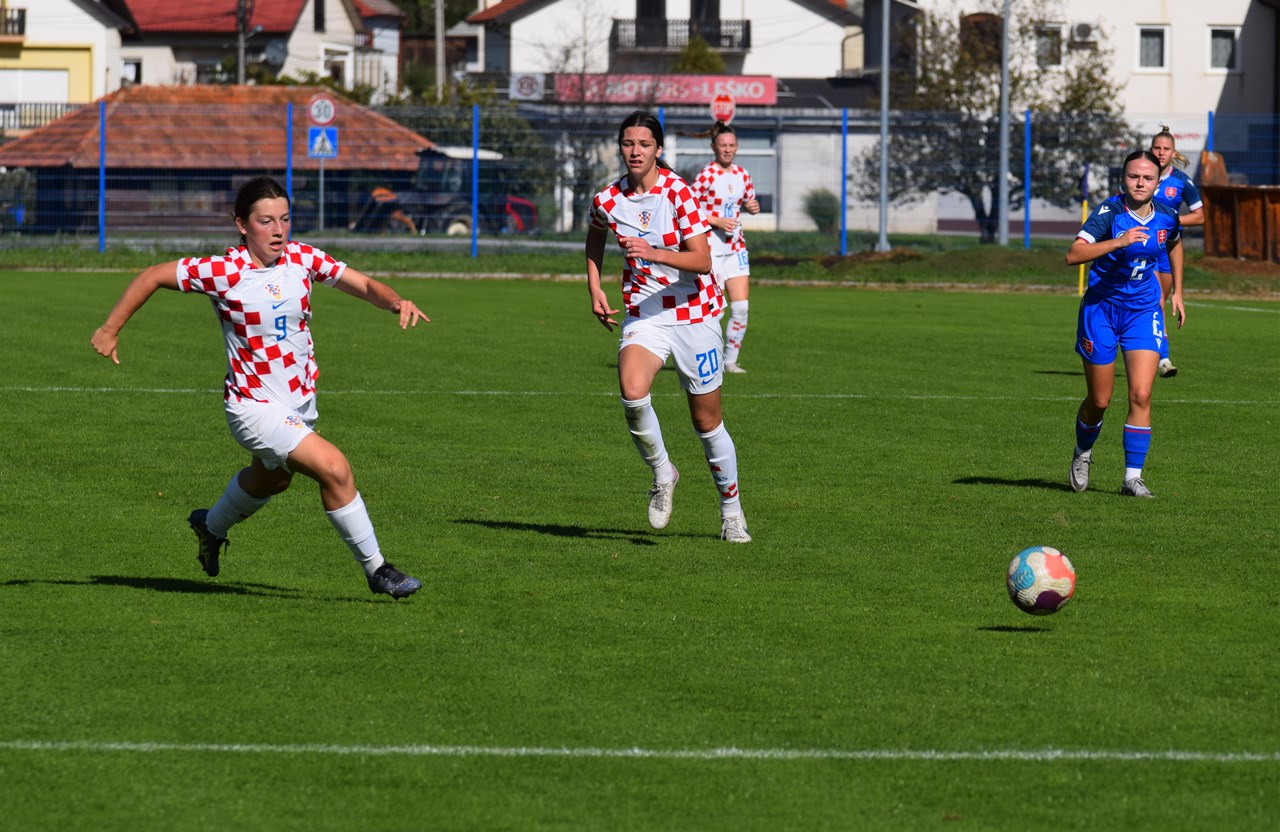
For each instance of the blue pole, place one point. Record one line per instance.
(102, 176)
(1210, 147)
(288, 151)
(844, 182)
(1026, 182)
(475, 178)
(662, 118)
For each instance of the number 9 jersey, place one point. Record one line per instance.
(1126, 276)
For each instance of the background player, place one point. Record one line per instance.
(1175, 188)
(724, 190)
(1125, 238)
(671, 308)
(261, 292)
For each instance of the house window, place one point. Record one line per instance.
(1049, 44)
(1153, 47)
(319, 15)
(131, 73)
(980, 37)
(1224, 48)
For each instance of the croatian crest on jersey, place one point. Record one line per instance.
(645, 216)
(1161, 236)
(1171, 191)
(274, 290)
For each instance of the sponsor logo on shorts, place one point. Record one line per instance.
(293, 421)
(1087, 346)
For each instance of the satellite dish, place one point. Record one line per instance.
(277, 51)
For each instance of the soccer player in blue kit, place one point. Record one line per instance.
(1125, 237)
(1174, 188)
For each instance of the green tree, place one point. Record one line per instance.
(946, 136)
(698, 58)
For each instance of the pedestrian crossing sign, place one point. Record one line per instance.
(322, 143)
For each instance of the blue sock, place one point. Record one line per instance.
(1086, 435)
(1136, 442)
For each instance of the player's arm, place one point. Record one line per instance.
(139, 290)
(360, 285)
(1082, 251)
(1175, 294)
(1195, 217)
(596, 239)
(694, 254)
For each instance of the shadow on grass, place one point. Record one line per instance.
(1005, 628)
(1025, 483)
(1059, 372)
(169, 585)
(558, 530)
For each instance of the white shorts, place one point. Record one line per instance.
(696, 349)
(271, 431)
(733, 264)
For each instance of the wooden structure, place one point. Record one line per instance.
(1240, 221)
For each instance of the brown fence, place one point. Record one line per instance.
(1240, 221)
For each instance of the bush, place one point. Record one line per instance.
(823, 207)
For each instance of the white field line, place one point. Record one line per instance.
(1275, 311)
(1047, 755)
(179, 391)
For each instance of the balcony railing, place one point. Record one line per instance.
(673, 35)
(14, 23)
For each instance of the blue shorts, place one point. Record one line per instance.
(1102, 327)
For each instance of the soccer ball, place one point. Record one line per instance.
(1040, 580)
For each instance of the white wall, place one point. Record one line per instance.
(64, 24)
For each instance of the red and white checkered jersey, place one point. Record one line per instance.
(721, 192)
(264, 315)
(665, 217)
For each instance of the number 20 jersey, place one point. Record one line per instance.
(265, 315)
(1127, 276)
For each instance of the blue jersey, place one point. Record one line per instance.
(1175, 188)
(1127, 276)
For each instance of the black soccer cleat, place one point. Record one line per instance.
(388, 580)
(210, 547)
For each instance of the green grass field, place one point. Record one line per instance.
(858, 666)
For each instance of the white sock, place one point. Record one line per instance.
(735, 331)
(722, 459)
(642, 421)
(1132, 473)
(356, 530)
(234, 505)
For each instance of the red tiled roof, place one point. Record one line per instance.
(213, 127)
(201, 16)
(377, 8)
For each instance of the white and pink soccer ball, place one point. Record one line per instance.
(1040, 580)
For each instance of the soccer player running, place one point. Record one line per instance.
(671, 305)
(1125, 237)
(261, 292)
(1174, 188)
(724, 190)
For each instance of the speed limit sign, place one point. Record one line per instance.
(322, 109)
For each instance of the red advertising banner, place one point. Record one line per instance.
(666, 89)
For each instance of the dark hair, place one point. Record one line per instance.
(259, 187)
(1142, 154)
(643, 118)
(715, 131)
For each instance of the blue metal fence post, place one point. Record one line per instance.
(844, 182)
(1026, 182)
(475, 178)
(102, 176)
(1210, 139)
(288, 151)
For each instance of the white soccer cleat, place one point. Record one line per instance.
(1167, 370)
(732, 367)
(1136, 488)
(734, 529)
(1080, 470)
(661, 498)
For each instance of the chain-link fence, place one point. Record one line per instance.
(530, 170)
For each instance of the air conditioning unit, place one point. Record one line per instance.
(1084, 32)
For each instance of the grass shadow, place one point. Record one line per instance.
(168, 585)
(561, 530)
(1023, 483)
(1005, 628)
(1059, 373)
